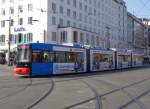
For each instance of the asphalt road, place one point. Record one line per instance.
(122, 89)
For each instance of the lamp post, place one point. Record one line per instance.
(9, 34)
(44, 31)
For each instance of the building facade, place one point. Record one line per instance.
(96, 23)
(147, 24)
(22, 21)
(137, 34)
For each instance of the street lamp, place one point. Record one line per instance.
(9, 34)
(44, 31)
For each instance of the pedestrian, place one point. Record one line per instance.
(11, 59)
(14, 59)
(76, 65)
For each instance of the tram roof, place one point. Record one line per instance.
(102, 49)
(49, 45)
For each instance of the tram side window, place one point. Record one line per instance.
(36, 56)
(140, 58)
(79, 58)
(108, 58)
(60, 57)
(120, 58)
(48, 56)
(96, 58)
(74, 57)
(126, 58)
(70, 57)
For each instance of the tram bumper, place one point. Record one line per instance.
(22, 71)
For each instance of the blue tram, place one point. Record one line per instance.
(101, 59)
(137, 59)
(124, 59)
(39, 59)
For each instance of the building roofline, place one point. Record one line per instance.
(122, 2)
(135, 18)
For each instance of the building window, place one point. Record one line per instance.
(94, 12)
(74, 14)
(25, 38)
(74, 3)
(20, 22)
(11, 10)
(87, 39)
(20, 38)
(3, 12)
(68, 12)
(68, 2)
(60, 22)
(30, 35)
(53, 20)
(80, 5)
(30, 7)
(2, 39)
(92, 41)
(3, 23)
(61, 10)
(97, 41)
(30, 19)
(85, 8)
(81, 38)
(20, 9)
(54, 36)
(75, 36)
(11, 22)
(54, 7)
(68, 23)
(64, 36)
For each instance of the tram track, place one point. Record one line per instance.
(17, 92)
(97, 97)
(133, 99)
(124, 106)
(40, 99)
(15, 86)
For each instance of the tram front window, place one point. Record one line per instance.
(24, 54)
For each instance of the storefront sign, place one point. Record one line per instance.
(20, 29)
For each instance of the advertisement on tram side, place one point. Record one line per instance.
(66, 68)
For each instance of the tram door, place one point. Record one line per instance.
(88, 58)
